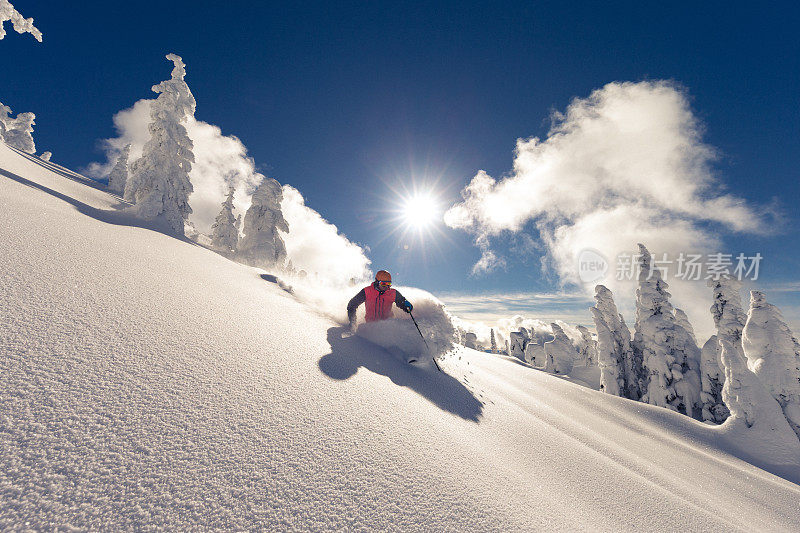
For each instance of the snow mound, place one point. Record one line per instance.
(147, 383)
(756, 425)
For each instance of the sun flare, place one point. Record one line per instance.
(420, 211)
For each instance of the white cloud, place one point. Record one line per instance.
(506, 312)
(623, 166)
(489, 260)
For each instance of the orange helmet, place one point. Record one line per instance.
(383, 275)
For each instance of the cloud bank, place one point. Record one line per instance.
(625, 165)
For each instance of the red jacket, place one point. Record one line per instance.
(378, 304)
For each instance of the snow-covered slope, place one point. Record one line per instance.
(148, 382)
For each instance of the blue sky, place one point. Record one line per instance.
(351, 102)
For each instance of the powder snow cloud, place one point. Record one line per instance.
(315, 245)
(625, 165)
(221, 162)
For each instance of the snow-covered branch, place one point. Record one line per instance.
(17, 132)
(20, 23)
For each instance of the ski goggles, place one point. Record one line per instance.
(387, 283)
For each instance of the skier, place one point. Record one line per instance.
(378, 298)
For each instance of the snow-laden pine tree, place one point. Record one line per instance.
(224, 235)
(17, 132)
(20, 23)
(534, 354)
(46, 156)
(621, 364)
(668, 352)
(750, 403)
(612, 373)
(773, 354)
(694, 362)
(493, 341)
(262, 245)
(712, 378)
(729, 318)
(516, 344)
(683, 321)
(119, 174)
(158, 182)
(560, 352)
(519, 339)
(587, 352)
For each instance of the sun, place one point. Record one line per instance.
(410, 214)
(420, 211)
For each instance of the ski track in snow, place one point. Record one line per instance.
(148, 383)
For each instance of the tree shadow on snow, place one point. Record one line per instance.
(63, 171)
(116, 217)
(351, 353)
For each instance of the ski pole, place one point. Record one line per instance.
(426, 343)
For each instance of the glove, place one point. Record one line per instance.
(407, 307)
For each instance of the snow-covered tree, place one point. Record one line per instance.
(119, 174)
(224, 235)
(712, 378)
(46, 156)
(587, 351)
(694, 360)
(262, 245)
(729, 320)
(516, 344)
(773, 354)
(668, 353)
(683, 321)
(19, 133)
(560, 352)
(612, 373)
(534, 354)
(20, 23)
(519, 339)
(751, 405)
(493, 341)
(16, 132)
(158, 182)
(617, 360)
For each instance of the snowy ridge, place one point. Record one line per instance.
(148, 382)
